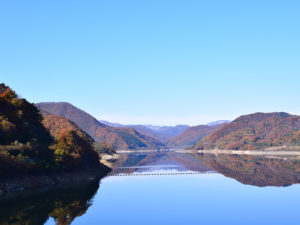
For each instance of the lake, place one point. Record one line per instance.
(171, 188)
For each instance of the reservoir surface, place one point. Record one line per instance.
(171, 188)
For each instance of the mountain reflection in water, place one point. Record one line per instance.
(187, 195)
(139, 163)
(255, 170)
(63, 204)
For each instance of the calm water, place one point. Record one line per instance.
(171, 188)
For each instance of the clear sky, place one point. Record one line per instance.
(154, 61)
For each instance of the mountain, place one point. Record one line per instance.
(73, 147)
(20, 121)
(218, 122)
(31, 144)
(192, 135)
(145, 130)
(58, 126)
(111, 124)
(171, 131)
(85, 121)
(24, 141)
(120, 138)
(255, 131)
(161, 133)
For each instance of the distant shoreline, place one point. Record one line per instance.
(244, 152)
(141, 151)
(293, 150)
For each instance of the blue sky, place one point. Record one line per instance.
(158, 61)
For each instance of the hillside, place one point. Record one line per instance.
(149, 132)
(169, 131)
(20, 121)
(255, 131)
(192, 135)
(58, 126)
(120, 138)
(73, 147)
(161, 133)
(218, 122)
(29, 147)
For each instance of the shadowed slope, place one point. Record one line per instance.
(120, 138)
(192, 135)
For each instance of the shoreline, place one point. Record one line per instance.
(23, 183)
(279, 150)
(141, 151)
(245, 152)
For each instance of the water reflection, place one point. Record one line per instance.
(255, 170)
(63, 204)
(186, 195)
(248, 169)
(139, 163)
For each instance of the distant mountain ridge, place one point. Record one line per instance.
(172, 131)
(255, 131)
(161, 133)
(119, 137)
(179, 136)
(218, 122)
(192, 135)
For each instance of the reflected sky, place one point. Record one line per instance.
(193, 199)
(236, 193)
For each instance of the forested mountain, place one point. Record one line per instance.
(27, 146)
(73, 147)
(20, 121)
(58, 126)
(120, 138)
(175, 136)
(255, 131)
(149, 132)
(192, 135)
(171, 131)
(161, 133)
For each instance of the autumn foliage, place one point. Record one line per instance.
(72, 146)
(255, 131)
(30, 142)
(192, 135)
(118, 138)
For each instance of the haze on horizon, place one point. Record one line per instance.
(154, 62)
